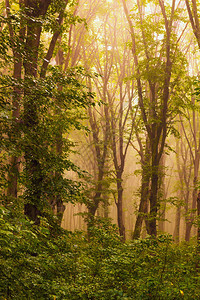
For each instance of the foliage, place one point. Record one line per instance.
(37, 263)
(56, 111)
(39, 106)
(45, 261)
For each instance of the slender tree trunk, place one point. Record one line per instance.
(13, 177)
(164, 191)
(58, 204)
(176, 234)
(143, 208)
(190, 219)
(106, 208)
(96, 200)
(14, 161)
(157, 131)
(60, 207)
(153, 199)
(161, 223)
(192, 8)
(120, 217)
(198, 219)
(17, 74)
(92, 207)
(100, 159)
(188, 231)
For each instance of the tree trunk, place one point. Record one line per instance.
(100, 161)
(153, 199)
(13, 177)
(17, 74)
(15, 161)
(190, 218)
(120, 217)
(188, 231)
(192, 9)
(155, 120)
(176, 234)
(198, 219)
(143, 208)
(161, 222)
(92, 208)
(33, 206)
(60, 207)
(58, 204)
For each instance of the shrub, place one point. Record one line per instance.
(39, 263)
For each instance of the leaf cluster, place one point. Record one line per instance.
(39, 264)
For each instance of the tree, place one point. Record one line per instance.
(192, 8)
(156, 80)
(117, 92)
(17, 40)
(194, 150)
(95, 149)
(45, 107)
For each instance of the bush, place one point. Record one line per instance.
(36, 264)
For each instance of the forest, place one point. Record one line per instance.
(99, 149)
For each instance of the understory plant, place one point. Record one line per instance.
(39, 262)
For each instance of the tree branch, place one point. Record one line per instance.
(52, 44)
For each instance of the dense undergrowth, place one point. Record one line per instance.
(38, 263)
